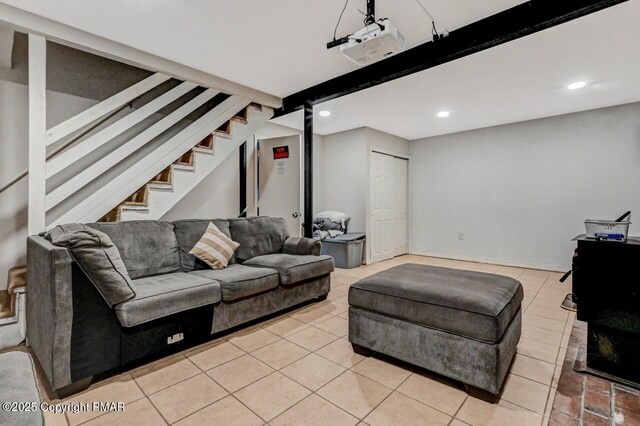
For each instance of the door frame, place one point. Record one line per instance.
(368, 198)
(253, 154)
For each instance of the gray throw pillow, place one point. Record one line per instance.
(98, 257)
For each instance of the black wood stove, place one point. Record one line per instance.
(606, 287)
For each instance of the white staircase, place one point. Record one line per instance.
(137, 166)
(161, 193)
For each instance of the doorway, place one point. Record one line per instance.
(279, 180)
(389, 206)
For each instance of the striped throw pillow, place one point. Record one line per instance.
(214, 248)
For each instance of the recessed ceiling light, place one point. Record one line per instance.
(324, 113)
(443, 114)
(576, 85)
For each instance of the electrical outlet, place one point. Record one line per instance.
(461, 236)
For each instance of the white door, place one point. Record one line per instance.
(388, 206)
(279, 180)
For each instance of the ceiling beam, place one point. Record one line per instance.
(511, 24)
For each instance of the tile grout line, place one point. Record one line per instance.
(159, 412)
(107, 412)
(171, 385)
(425, 404)
(334, 315)
(613, 404)
(556, 366)
(455, 416)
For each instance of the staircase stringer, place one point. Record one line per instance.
(161, 200)
(102, 201)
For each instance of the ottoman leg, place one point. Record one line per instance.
(361, 350)
(481, 394)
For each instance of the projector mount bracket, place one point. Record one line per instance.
(368, 20)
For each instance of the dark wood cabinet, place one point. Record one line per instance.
(606, 287)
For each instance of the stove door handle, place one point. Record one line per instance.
(565, 276)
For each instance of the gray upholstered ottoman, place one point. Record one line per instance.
(462, 324)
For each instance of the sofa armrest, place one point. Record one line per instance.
(50, 308)
(302, 246)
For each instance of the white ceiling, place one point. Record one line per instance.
(278, 46)
(521, 80)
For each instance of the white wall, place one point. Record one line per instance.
(13, 159)
(520, 192)
(217, 196)
(345, 175)
(387, 143)
(272, 130)
(346, 170)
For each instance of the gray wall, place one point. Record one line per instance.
(520, 192)
(346, 170)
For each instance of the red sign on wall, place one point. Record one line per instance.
(280, 152)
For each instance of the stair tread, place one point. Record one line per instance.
(134, 207)
(239, 119)
(204, 150)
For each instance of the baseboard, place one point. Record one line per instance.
(495, 261)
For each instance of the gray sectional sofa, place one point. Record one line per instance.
(179, 301)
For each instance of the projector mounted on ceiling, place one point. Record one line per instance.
(377, 40)
(374, 42)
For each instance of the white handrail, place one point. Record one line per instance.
(105, 107)
(94, 142)
(77, 182)
(59, 149)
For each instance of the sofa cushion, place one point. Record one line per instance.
(238, 281)
(162, 295)
(294, 268)
(258, 236)
(472, 304)
(99, 259)
(188, 232)
(147, 247)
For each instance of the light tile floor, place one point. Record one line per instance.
(299, 369)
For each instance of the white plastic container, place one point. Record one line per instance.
(607, 229)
